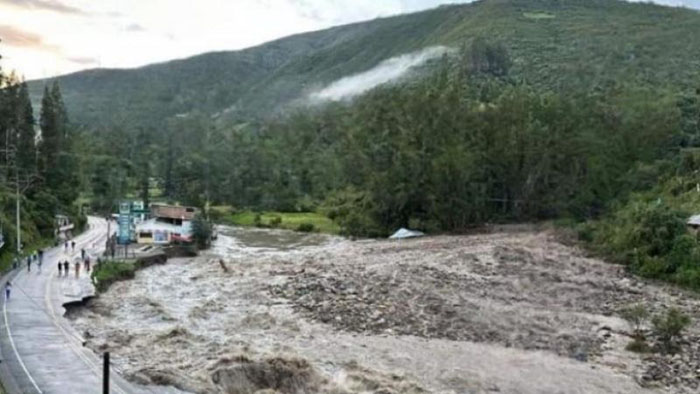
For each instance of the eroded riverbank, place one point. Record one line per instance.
(508, 312)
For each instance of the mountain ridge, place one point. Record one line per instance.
(552, 42)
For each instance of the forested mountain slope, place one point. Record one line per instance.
(552, 43)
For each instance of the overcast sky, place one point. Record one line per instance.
(42, 38)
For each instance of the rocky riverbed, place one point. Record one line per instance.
(514, 312)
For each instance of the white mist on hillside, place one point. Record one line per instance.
(387, 71)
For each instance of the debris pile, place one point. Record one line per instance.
(674, 370)
(430, 303)
(387, 317)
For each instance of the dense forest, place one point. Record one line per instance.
(40, 170)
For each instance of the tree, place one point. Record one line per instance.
(201, 231)
(59, 168)
(26, 140)
(144, 156)
(50, 145)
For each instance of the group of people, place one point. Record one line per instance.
(71, 244)
(38, 257)
(64, 266)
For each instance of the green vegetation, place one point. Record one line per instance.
(44, 171)
(638, 346)
(201, 231)
(589, 43)
(109, 272)
(669, 328)
(637, 316)
(648, 231)
(298, 221)
(538, 15)
(546, 110)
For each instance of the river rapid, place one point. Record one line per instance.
(514, 312)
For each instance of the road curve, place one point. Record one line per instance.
(42, 353)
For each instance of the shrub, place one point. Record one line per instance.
(638, 346)
(644, 228)
(636, 316)
(651, 267)
(306, 227)
(683, 253)
(275, 222)
(669, 328)
(257, 220)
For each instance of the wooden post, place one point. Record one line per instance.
(105, 374)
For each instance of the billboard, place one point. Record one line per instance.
(124, 221)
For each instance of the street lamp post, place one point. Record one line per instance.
(17, 213)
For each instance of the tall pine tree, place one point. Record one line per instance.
(26, 139)
(50, 143)
(58, 166)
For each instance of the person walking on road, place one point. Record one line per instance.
(38, 264)
(8, 289)
(72, 244)
(65, 246)
(29, 263)
(60, 268)
(41, 256)
(82, 254)
(66, 267)
(87, 264)
(77, 269)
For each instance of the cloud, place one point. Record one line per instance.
(47, 5)
(387, 71)
(135, 28)
(83, 60)
(12, 36)
(694, 4)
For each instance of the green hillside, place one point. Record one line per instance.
(554, 43)
(580, 111)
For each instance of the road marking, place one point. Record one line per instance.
(14, 348)
(95, 368)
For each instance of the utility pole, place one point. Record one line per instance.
(19, 190)
(17, 214)
(105, 373)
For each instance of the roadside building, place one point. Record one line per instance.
(168, 224)
(693, 224)
(64, 228)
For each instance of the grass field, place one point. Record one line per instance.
(285, 220)
(538, 15)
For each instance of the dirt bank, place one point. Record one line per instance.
(516, 313)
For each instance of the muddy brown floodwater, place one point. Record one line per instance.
(513, 312)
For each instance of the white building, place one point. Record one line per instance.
(169, 223)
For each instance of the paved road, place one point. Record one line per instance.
(42, 352)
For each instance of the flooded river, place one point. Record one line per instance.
(309, 313)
